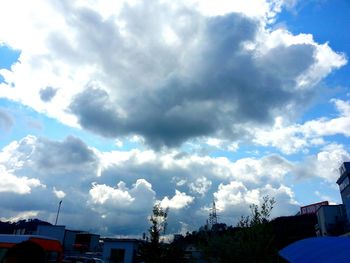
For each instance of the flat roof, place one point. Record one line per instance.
(109, 239)
(21, 238)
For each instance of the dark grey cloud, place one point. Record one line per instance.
(225, 86)
(66, 164)
(6, 121)
(96, 112)
(47, 94)
(202, 82)
(19, 203)
(57, 155)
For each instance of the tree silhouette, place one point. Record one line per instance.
(154, 251)
(259, 215)
(158, 220)
(252, 240)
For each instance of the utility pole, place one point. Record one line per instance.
(58, 211)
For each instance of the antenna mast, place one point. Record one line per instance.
(213, 218)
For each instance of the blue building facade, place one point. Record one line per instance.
(344, 186)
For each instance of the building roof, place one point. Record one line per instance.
(131, 240)
(87, 234)
(21, 238)
(318, 249)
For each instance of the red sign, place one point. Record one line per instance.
(312, 209)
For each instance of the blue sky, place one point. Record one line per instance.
(113, 107)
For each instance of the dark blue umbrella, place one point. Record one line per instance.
(318, 249)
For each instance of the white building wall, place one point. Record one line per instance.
(128, 246)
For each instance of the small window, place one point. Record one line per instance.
(117, 256)
(344, 184)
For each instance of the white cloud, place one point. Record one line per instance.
(18, 185)
(327, 127)
(252, 8)
(289, 139)
(222, 144)
(235, 198)
(100, 194)
(270, 168)
(231, 194)
(14, 155)
(325, 61)
(21, 216)
(139, 197)
(299, 137)
(58, 193)
(178, 201)
(325, 164)
(200, 185)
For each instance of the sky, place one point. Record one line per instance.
(114, 106)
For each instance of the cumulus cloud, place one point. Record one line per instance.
(235, 198)
(163, 71)
(119, 198)
(14, 184)
(299, 137)
(325, 164)
(100, 194)
(178, 201)
(140, 196)
(129, 207)
(205, 178)
(268, 169)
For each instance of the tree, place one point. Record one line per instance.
(255, 240)
(153, 251)
(252, 240)
(158, 220)
(258, 215)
